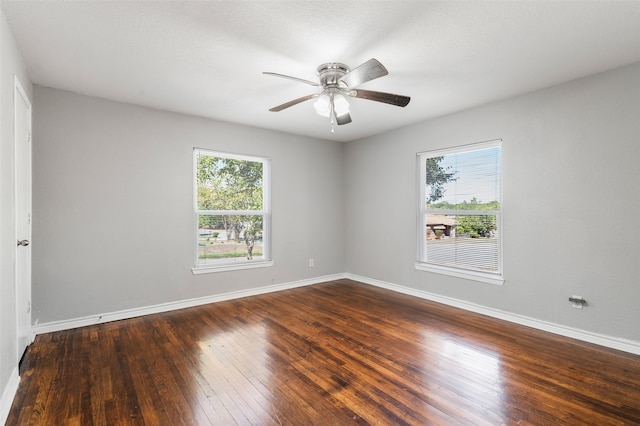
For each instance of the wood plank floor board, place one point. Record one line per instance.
(176, 377)
(362, 364)
(338, 353)
(364, 356)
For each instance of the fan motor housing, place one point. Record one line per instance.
(331, 73)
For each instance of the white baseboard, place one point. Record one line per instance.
(172, 306)
(8, 394)
(587, 336)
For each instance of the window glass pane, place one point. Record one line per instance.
(463, 241)
(464, 180)
(228, 184)
(229, 238)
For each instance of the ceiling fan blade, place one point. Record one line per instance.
(302, 80)
(343, 119)
(292, 103)
(387, 98)
(368, 71)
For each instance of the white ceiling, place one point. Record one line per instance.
(206, 58)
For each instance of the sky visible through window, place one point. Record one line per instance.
(478, 175)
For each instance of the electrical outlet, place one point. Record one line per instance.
(311, 264)
(577, 302)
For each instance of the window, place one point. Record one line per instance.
(232, 211)
(459, 214)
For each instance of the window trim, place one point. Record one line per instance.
(234, 265)
(496, 278)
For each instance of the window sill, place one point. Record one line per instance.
(469, 275)
(210, 269)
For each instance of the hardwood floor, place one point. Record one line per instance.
(335, 353)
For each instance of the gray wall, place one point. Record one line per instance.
(571, 198)
(11, 64)
(113, 220)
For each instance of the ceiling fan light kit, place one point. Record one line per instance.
(325, 103)
(338, 82)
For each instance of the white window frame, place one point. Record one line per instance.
(421, 264)
(235, 264)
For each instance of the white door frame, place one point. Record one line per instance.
(23, 205)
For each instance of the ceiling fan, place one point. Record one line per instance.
(337, 82)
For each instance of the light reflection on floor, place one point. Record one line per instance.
(227, 375)
(481, 378)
